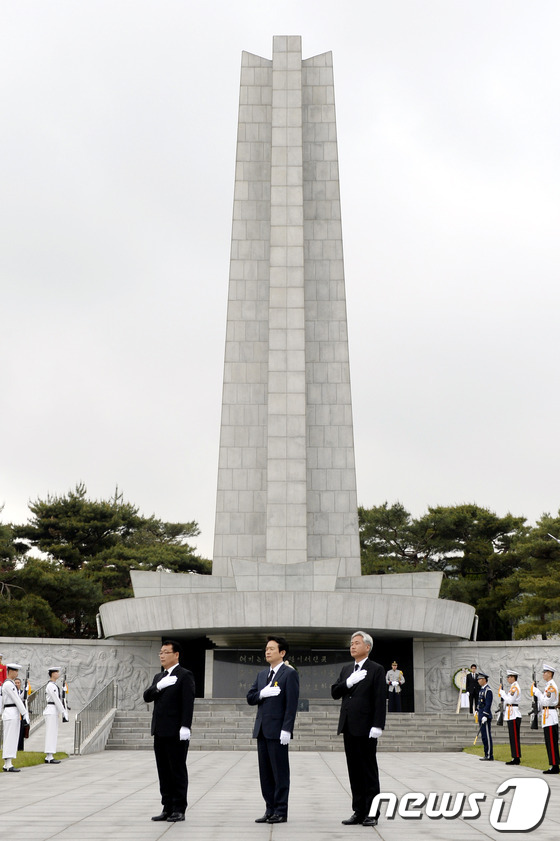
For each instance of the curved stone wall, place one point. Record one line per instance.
(226, 614)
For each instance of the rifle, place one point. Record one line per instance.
(534, 714)
(65, 696)
(500, 711)
(25, 699)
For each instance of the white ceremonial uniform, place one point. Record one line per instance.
(511, 701)
(395, 679)
(548, 706)
(12, 710)
(53, 708)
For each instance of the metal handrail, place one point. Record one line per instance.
(93, 713)
(36, 703)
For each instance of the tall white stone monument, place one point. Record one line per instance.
(286, 477)
(286, 550)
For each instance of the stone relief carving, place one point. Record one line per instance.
(442, 660)
(90, 667)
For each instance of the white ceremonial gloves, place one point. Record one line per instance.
(395, 682)
(484, 719)
(285, 737)
(168, 680)
(184, 733)
(269, 692)
(375, 733)
(355, 678)
(65, 716)
(26, 718)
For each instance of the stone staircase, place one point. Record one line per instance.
(222, 724)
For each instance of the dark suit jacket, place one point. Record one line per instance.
(472, 685)
(279, 712)
(363, 706)
(173, 707)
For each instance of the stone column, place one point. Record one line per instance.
(286, 475)
(286, 535)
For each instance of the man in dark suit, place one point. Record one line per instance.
(472, 687)
(361, 685)
(172, 692)
(276, 692)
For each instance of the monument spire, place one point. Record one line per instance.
(286, 476)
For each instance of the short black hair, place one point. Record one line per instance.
(175, 646)
(282, 643)
(473, 665)
(52, 671)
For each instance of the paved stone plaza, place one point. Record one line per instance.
(113, 795)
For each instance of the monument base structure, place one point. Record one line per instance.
(286, 546)
(223, 622)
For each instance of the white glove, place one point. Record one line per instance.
(395, 682)
(375, 733)
(184, 732)
(26, 718)
(270, 692)
(65, 716)
(285, 737)
(355, 677)
(166, 681)
(484, 719)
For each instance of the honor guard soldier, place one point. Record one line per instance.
(484, 713)
(472, 687)
(512, 714)
(53, 708)
(548, 704)
(13, 709)
(394, 679)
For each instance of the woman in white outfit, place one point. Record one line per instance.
(53, 709)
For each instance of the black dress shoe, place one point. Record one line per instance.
(514, 762)
(163, 817)
(354, 820)
(277, 819)
(264, 818)
(176, 816)
(370, 822)
(487, 759)
(17, 770)
(554, 770)
(53, 761)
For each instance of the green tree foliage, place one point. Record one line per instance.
(73, 529)
(88, 549)
(470, 545)
(390, 541)
(533, 588)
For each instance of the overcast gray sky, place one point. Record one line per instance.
(117, 150)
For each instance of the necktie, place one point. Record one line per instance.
(356, 667)
(270, 676)
(165, 673)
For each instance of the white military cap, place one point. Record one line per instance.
(54, 669)
(15, 666)
(547, 668)
(513, 672)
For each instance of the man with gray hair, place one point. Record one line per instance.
(361, 686)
